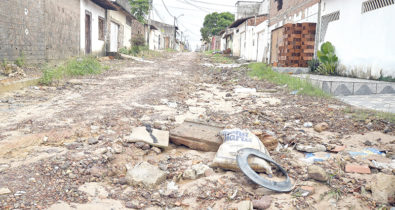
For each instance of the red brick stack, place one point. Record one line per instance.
(298, 46)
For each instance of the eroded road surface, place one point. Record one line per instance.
(65, 146)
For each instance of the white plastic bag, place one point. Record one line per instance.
(234, 140)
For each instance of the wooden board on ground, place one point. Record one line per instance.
(197, 136)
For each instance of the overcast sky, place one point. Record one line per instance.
(194, 12)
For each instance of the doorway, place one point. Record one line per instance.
(114, 37)
(88, 33)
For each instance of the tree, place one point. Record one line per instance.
(215, 23)
(140, 9)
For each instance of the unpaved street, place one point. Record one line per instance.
(64, 146)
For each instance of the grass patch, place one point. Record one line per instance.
(302, 86)
(364, 114)
(72, 67)
(218, 58)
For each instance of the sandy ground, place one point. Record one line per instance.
(46, 160)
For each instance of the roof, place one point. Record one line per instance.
(106, 4)
(123, 6)
(242, 20)
(152, 27)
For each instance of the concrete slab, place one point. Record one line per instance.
(197, 136)
(378, 102)
(140, 134)
(293, 70)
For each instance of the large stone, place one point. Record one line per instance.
(309, 148)
(197, 136)
(263, 203)
(4, 191)
(140, 134)
(383, 187)
(317, 173)
(321, 127)
(145, 174)
(268, 140)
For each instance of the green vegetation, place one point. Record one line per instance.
(215, 23)
(364, 114)
(387, 79)
(20, 61)
(70, 68)
(302, 86)
(140, 9)
(328, 59)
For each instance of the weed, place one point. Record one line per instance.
(333, 193)
(328, 59)
(364, 114)
(302, 86)
(70, 68)
(20, 61)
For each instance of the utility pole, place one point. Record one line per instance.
(149, 22)
(175, 31)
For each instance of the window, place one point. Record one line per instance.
(370, 5)
(279, 4)
(326, 19)
(101, 28)
(129, 21)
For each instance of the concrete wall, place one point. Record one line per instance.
(40, 29)
(293, 11)
(98, 46)
(247, 9)
(364, 42)
(263, 42)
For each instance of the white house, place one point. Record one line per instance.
(363, 35)
(93, 26)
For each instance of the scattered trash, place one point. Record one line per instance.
(242, 162)
(380, 165)
(311, 149)
(294, 92)
(308, 124)
(316, 157)
(235, 140)
(197, 136)
(338, 148)
(245, 90)
(157, 138)
(366, 152)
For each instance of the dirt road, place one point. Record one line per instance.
(64, 146)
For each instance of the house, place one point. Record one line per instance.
(119, 26)
(93, 26)
(363, 35)
(167, 34)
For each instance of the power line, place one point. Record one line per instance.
(167, 9)
(209, 3)
(159, 16)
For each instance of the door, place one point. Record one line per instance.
(114, 37)
(88, 34)
(277, 42)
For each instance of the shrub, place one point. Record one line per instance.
(313, 64)
(138, 40)
(72, 67)
(20, 61)
(328, 59)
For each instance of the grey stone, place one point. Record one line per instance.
(145, 174)
(140, 134)
(189, 174)
(244, 205)
(118, 149)
(200, 169)
(312, 149)
(263, 203)
(156, 150)
(92, 141)
(317, 173)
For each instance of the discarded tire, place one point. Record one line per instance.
(242, 162)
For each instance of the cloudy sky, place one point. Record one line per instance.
(193, 12)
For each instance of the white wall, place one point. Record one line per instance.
(97, 45)
(364, 42)
(154, 40)
(263, 41)
(120, 18)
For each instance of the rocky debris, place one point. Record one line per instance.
(355, 168)
(268, 140)
(311, 148)
(145, 174)
(197, 136)
(94, 190)
(243, 205)
(142, 145)
(338, 148)
(117, 148)
(12, 70)
(156, 150)
(4, 191)
(154, 137)
(132, 205)
(304, 191)
(321, 127)
(197, 171)
(317, 173)
(92, 141)
(263, 203)
(383, 187)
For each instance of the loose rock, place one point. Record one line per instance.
(383, 187)
(311, 149)
(145, 174)
(317, 173)
(263, 203)
(4, 191)
(321, 127)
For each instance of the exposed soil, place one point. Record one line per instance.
(46, 159)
